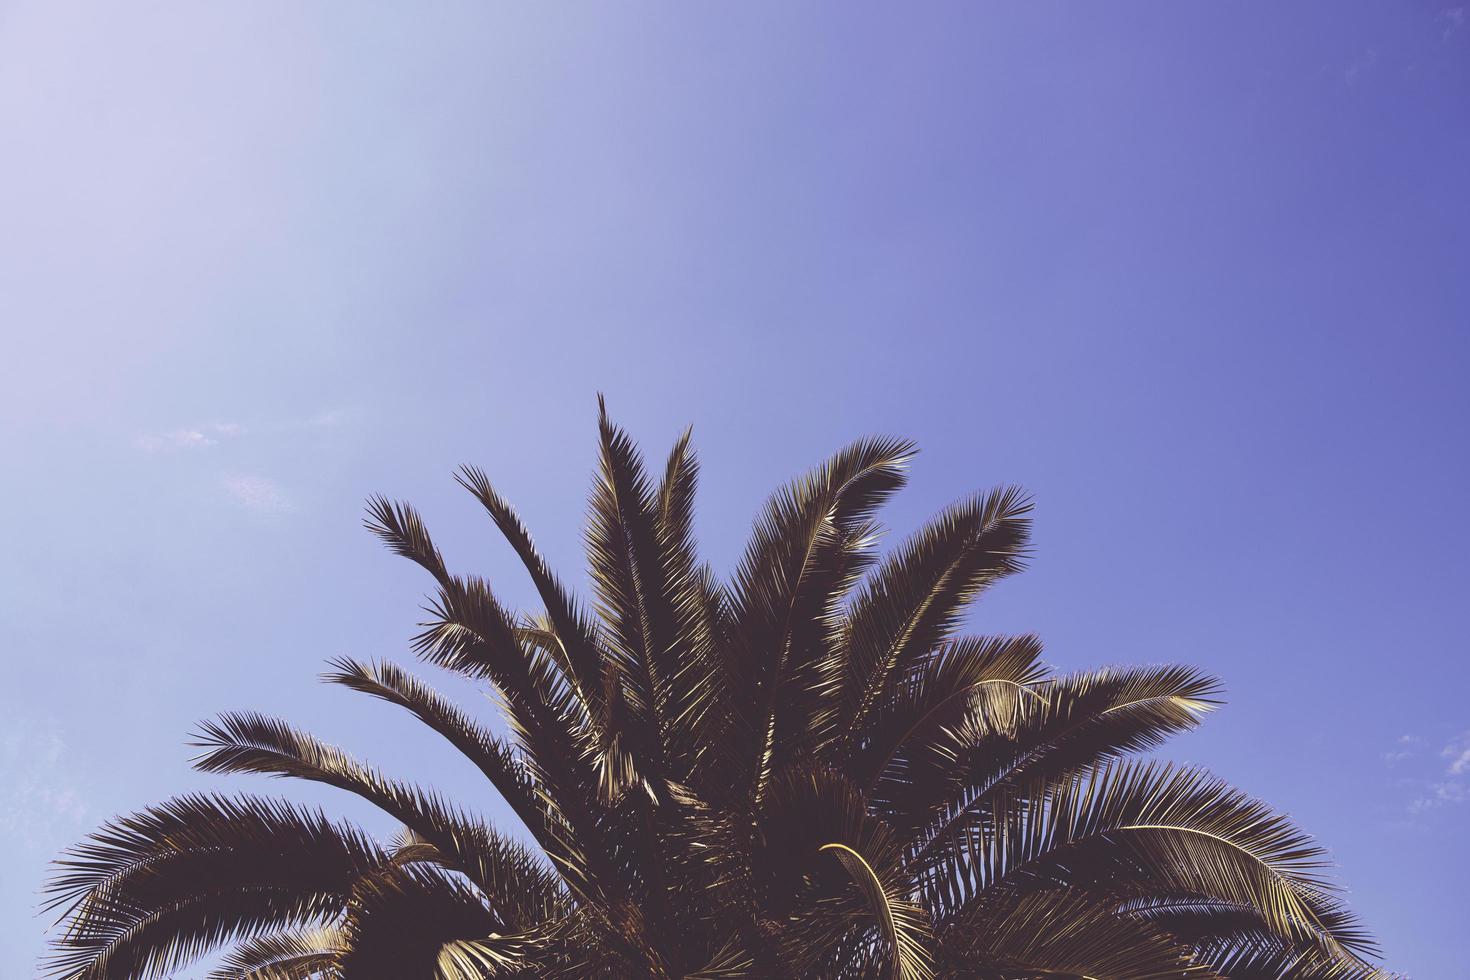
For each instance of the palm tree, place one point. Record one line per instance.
(806, 771)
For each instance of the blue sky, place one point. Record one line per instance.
(1194, 274)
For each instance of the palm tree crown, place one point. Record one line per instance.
(806, 771)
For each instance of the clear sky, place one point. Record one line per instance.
(1197, 275)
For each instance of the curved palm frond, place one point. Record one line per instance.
(500, 764)
(804, 771)
(1063, 934)
(1238, 942)
(901, 923)
(1132, 826)
(1064, 725)
(798, 565)
(301, 955)
(988, 683)
(913, 602)
(153, 891)
(575, 633)
(250, 743)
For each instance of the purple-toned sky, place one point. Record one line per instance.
(1197, 275)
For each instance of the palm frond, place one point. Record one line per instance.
(499, 763)
(154, 891)
(574, 632)
(521, 890)
(1131, 826)
(901, 923)
(1065, 725)
(1063, 934)
(399, 527)
(697, 710)
(794, 570)
(625, 558)
(476, 959)
(1238, 942)
(473, 634)
(990, 681)
(310, 954)
(915, 599)
(1283, 961)
(730, 961)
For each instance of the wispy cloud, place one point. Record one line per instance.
(1440, 793)
(206, 436)
(1454, 19)
(200, 437)
(257, 494)
(1458, 752)
(329, 419)
(1452, 783)
(38, 802)
(251, 491)
(1407, 747)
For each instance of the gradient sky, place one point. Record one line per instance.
(1197, 275)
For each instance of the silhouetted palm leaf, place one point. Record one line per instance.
(301, 955)
(808, 771)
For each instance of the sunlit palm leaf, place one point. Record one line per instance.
(307, 955)
(901, 923)
(913, 602)
(1064, 934)
(1129, 827)
(1063, 725)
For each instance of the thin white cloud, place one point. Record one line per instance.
(206, 436)
(257, 494)
(38, 802)
(1458, 752)
(1453, 784)
(196, 437)
(1407, 747)
(329, 419)
(1440, 793)
(1454, 19)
